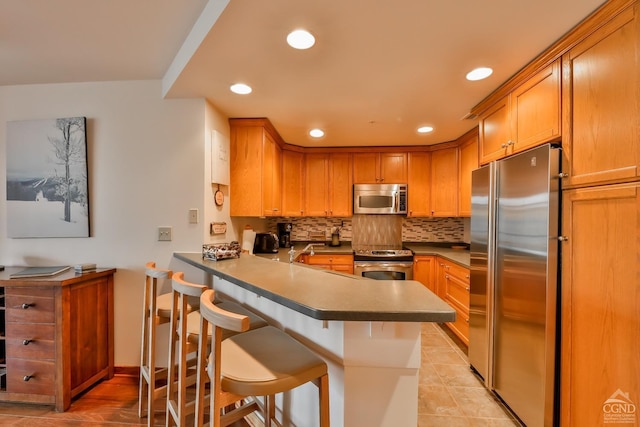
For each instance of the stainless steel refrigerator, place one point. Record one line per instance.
(514, 281)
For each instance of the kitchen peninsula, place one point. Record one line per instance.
(368, 331)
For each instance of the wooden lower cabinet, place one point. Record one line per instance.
(453, 287)
(424, 267)
(600, 305)
(57, 335)
(342, 263)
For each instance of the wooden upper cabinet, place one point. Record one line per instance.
(444, 182)
(601, 104)
(328, 185)
(272, 178)
(468, 162)
(419, 184)
(380, 167)
(255, 162)
(527, 117)
(341, 179)
(495, 131)
(293, 167)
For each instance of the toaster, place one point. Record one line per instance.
(265, 243)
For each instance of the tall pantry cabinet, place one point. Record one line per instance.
(600, 295)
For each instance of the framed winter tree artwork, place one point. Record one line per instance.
(47, 178)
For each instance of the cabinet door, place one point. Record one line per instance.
(444, 182)
(600, 302)
(292, 183)
(468, 162)
(246, 171)
(495, 131)
(393, 168)
(316, 185)
(419, 183)
(535, 109)
(424, 271)
(365, 168)
(341, 185)
(601, 98)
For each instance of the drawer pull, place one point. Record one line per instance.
(27, 377)
(26, 342)
(27, 305)
(466, 320)
(467, 289)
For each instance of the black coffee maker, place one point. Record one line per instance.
(284, 234)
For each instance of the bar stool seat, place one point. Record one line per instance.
(260, 362)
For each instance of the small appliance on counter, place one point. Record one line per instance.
(265, 243)
(335, 237)
(284, 234)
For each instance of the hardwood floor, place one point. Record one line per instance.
(449, 396)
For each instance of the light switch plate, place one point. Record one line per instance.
(193, 216)
(164, 234)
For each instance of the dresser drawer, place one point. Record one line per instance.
(40, 374)
(29, 305)
(30, 340)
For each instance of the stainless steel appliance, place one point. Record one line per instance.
(380, 199)
(265, 243)
(514, 281)
(383, 264)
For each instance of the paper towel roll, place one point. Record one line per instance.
(248, 239)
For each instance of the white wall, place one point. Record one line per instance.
(146, 169)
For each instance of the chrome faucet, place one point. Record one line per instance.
(310, 246)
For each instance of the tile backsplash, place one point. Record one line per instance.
(450, 229)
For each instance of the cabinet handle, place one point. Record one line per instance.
(467, 276)
(466, 320)
(27, 305)
(26, 342)
(504, 145)
(467, 289)
(28, 377)
(563, 238)
(563, 175)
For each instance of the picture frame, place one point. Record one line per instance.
(47, 178)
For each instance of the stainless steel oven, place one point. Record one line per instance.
(385, 264)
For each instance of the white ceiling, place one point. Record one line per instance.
(379, 69)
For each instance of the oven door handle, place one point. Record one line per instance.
(383, 264)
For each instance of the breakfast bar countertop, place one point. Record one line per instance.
(324, 295)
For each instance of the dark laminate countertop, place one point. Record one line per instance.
(324, 295)
(459, 256)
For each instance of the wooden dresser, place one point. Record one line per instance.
(56, 335)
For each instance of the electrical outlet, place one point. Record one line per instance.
(164, 234)
(193, 216)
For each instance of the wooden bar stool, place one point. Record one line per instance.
(260, 362)
(184, 340)
(156, 310)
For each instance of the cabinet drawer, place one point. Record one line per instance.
(29, 305)
(329, 259)
(41, 373)
(461, 325)
(457, 292)
(30, 340)
(459, 272)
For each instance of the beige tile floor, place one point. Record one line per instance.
(450, 395)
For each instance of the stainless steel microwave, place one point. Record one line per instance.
(380, 199)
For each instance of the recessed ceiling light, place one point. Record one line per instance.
(479, 73)
(300, 39)
(425, 129)
(240, 88)
(316, 133)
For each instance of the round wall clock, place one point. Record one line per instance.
(219, 197)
